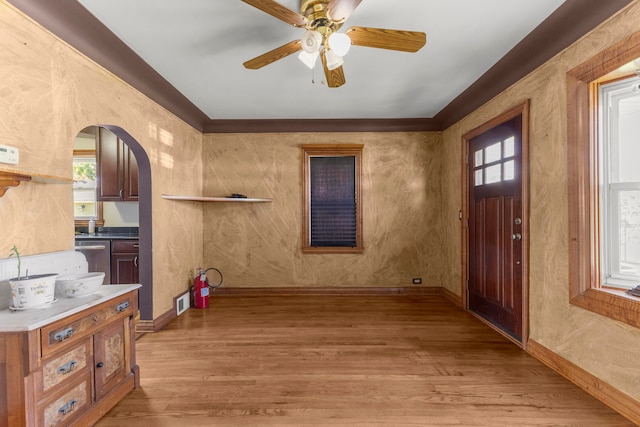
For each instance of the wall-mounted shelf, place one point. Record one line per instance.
(10, 179)
(214, 199)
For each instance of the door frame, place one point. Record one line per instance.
(520, 109)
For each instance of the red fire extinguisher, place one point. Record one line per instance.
(201, 288)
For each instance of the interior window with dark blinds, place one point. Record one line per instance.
(333, 201)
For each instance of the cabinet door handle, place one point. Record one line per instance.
(135, 261)
(64, 410)
(121, 193)
(122, 307)
(65, 369)
(64, 334)
(100, 365)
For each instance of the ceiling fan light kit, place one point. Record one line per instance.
(311, 41)
(334, 61)
(308, 59)
(340, 43)
(322, 19)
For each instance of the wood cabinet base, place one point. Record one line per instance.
(71, 371)
(104, 405)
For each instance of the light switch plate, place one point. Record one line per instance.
(9, 155)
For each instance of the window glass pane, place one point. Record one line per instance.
(493, 174)
(628, 138)
(629, 232)
(509, 170)
(493, 153)
(333, 202)
(478, 160)
(84, 188)
(619, 154)
(509, 147)
(478, 179)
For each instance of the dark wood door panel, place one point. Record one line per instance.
(495, 282)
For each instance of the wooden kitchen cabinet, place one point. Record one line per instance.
(71, 371)
(116, 169)
(125, 266)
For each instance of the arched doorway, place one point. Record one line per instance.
(145, 220)
(123, 211)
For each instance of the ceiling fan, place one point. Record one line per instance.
(322, 19)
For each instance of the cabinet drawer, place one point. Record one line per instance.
(65, 406)
(125, 246)
(58, 334)
(61, 369)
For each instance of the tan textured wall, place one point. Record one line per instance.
(606, 348)
(48, 93)
(258, 245)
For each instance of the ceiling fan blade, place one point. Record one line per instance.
(335, 78)
(273, 55)
(277, 10)
(406, 41)
(339, 10)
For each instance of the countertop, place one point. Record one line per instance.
(27, 320)
(108, 233)
(107, 236)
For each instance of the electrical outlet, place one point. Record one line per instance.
(417, 281)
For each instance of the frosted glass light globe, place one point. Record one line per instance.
(340, 43)
(311, 41)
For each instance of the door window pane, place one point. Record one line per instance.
(509, 170)
(493, 153)
(478, 160)
(493, 174)
(478, 177)
(509, 147)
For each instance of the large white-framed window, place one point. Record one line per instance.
(586, 203)
(619, 167)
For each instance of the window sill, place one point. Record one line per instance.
(331, 250)
(612, 303)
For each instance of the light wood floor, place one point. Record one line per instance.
(344, 361)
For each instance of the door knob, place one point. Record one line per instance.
(516, 236)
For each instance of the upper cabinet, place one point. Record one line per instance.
(117, 169)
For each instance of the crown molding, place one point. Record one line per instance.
(322, 125)
(74, 24)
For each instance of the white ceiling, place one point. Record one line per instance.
(199, 46)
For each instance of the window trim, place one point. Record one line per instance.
(611, 92)
(312, 150)
(585, 289)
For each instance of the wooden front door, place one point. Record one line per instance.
(495, 226)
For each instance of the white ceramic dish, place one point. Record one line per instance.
(38, 307)
(78, 285)
(33, 291)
